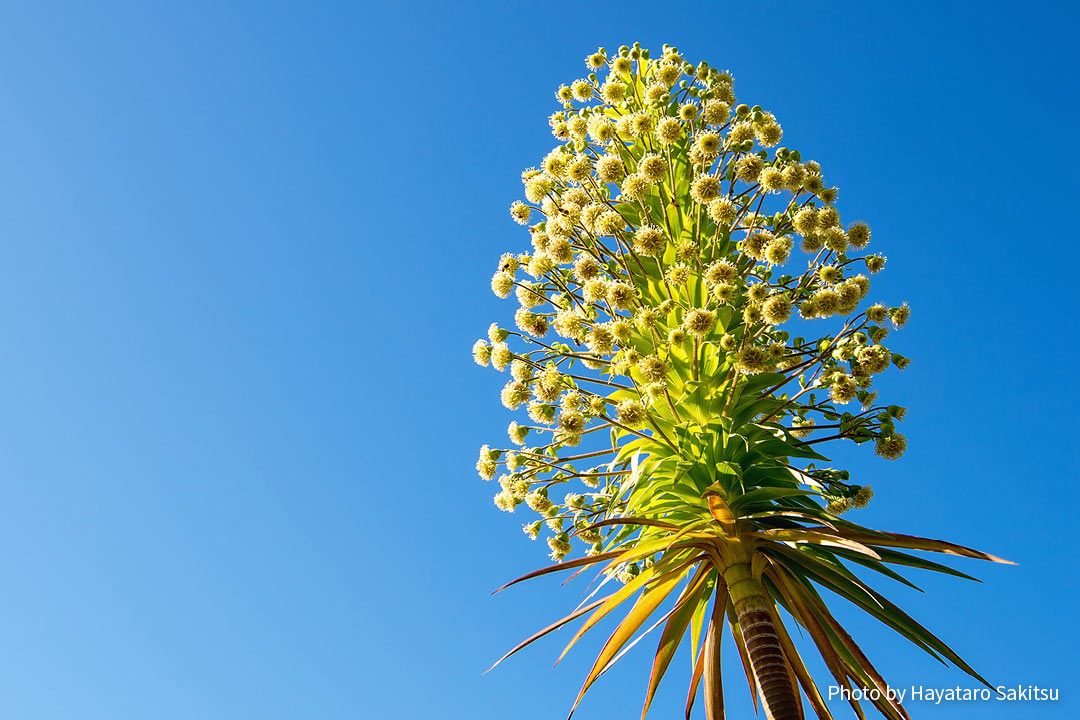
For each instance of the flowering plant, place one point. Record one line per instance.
(693, 330)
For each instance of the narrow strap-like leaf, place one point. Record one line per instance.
(630, 521)
(898, 558)
(862, 661)
(549, 629)
(795, 595)
(912, 542)
(695, 678)
(569, 564)
(874, 565)
(674, 631)
(835, 574)
(610, 603)
(797, 665)
(771, 514)
(814, 535)
(642, 609)
(714, 681)
(894, 617)
(826, 577)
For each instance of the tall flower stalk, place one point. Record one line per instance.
(693, 330)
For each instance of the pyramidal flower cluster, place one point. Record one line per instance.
(676, 247)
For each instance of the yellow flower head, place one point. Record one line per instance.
(613, 92)
(891, 447)
(649, 240)
(668, 72)
(715, 112)
(582, 90)
(610, 169)
(630, 413)
(653, 167)
(858, 235)
(652, 368)
(668, 131)
(777, 309)
(481, 353)
(772, 179)
(699, 322)
(722, 210)
(705, 189)
(621, 295)
(752, 359)
(748, 169)
(708, 144)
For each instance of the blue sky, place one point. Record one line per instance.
(245, 252)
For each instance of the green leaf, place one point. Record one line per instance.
(766, 494)
(675, 631)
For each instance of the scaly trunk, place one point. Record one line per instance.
(763, 646)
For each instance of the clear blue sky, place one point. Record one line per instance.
(245, 252)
